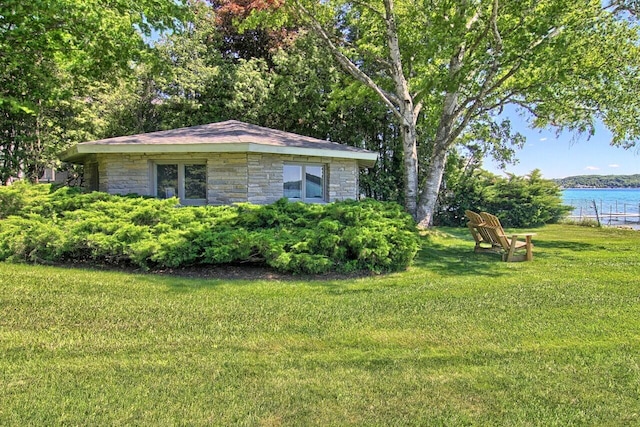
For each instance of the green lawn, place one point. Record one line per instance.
(458, 339)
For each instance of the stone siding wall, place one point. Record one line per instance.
(91, 180)
(226, 178)
(265, 176)
(265, 183)
(124, 174)
(231, 177)
(343, 179)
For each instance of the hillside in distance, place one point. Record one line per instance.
(600, 181)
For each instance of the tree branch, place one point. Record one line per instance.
(417, 108)
(489, 86)
(494, 27)
(390, 99)
(501, 102)
(397, 73)
(370, 8)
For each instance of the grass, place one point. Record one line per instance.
(458, 339)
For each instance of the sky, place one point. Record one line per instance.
(559, 156)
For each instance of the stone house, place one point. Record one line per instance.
(222, 163)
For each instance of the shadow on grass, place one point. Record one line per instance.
(566, 245)
(445, 251)
(449, 251)
(238, 275)
(456, 259)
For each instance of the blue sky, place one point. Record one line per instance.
(567, 154)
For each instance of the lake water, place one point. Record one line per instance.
(612, 204)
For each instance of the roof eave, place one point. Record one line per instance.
(71, 155)
(78, 152)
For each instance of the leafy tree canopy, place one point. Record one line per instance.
(250, 43)
(86, 39)
(51, 52)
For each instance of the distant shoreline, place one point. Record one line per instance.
(599, 188)
(613, 182)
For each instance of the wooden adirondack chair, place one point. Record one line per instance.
(509, 246)
(484, 241)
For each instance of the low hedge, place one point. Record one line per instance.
(40, 224)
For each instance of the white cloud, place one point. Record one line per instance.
(543, 139)
(592, 168)
(614, 166)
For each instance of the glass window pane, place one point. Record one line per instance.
(195, 181)
(167, 181)
(314, 184)
(292, 181)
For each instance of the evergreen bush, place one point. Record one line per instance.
(528, 201)
(41, 224)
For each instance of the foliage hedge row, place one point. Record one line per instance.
(519, 201)
(40, 224)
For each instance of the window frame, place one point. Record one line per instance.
(181, 191)
(303, 191)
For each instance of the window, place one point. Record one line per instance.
(187, 181)
(304, 182)
(48, 175)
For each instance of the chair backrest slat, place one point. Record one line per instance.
(476, 221)
(494, 228)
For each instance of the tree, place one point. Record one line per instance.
(446, 69)
(54, 50)
(251, 43)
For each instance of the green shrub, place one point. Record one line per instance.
(45, 225)
(528, 201)
(21, 198)
(32, 238)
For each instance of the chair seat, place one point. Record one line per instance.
(520, 244)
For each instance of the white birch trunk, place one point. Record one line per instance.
(400, 101)
(429, 197)
(407, 111)
(410, 163)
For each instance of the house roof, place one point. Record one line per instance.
(229, 136)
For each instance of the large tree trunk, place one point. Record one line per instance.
(429, 197)
(406, 110)
(442, 144)
(410, 162)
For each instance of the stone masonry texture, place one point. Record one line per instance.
(231, 177)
